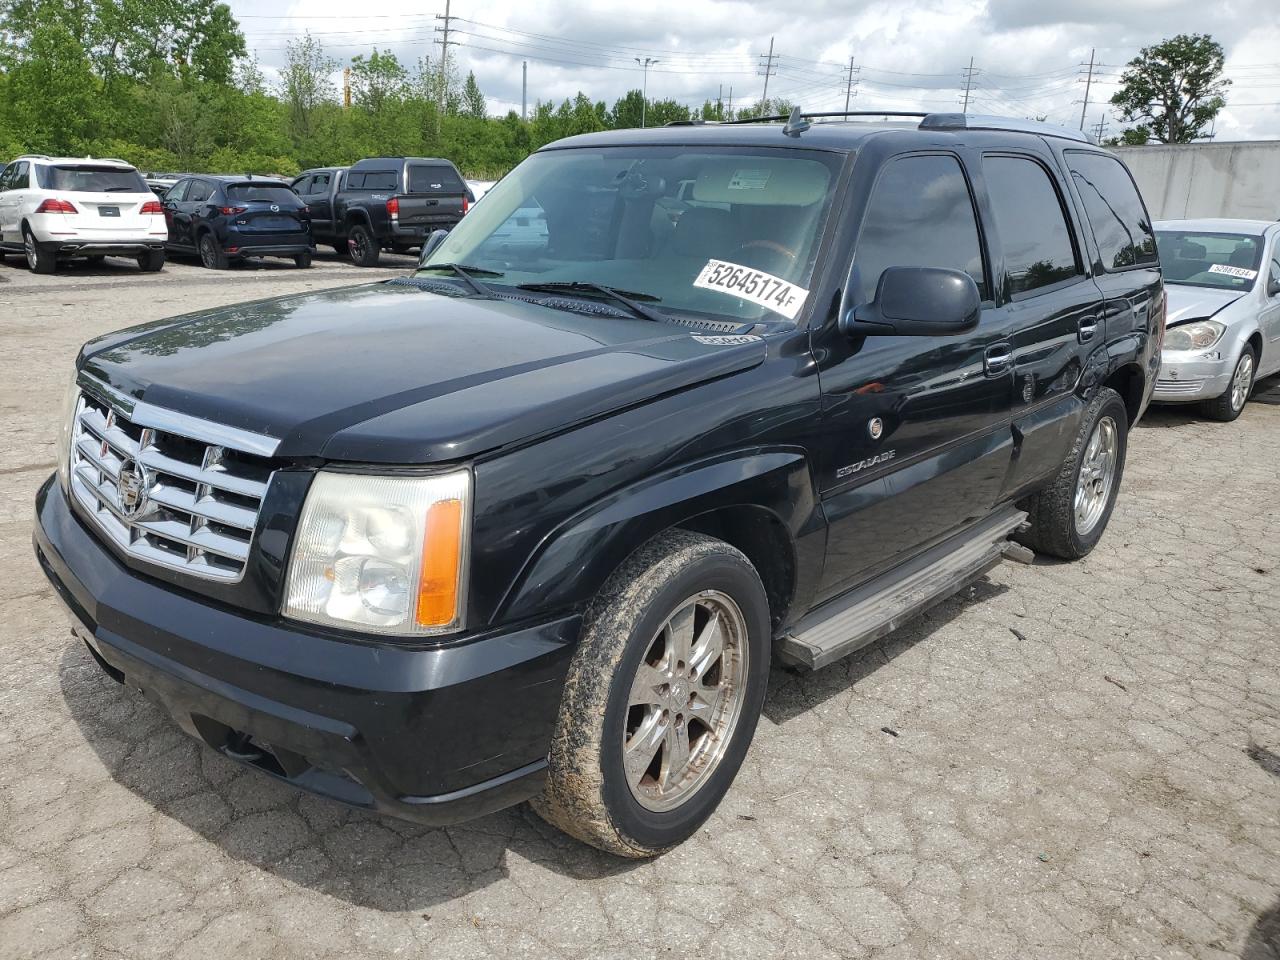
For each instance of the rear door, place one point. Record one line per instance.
(435, 198)
(1270, 321)
(109, 199)
(1052, 311)
(1123, 248)
(7, 232)
(914, 439)
(271, 212)
(191, 210)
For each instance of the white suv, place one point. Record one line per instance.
(55, 208)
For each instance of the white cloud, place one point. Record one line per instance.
(912, 53)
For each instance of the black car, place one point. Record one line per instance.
(530, 523)
(227, 218)
(383, 203)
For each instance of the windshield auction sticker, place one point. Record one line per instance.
(753, 285)
(1240, 272)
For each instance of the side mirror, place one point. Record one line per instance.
(431, 244)
(917, 302)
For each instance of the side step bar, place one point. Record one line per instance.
(848, 623)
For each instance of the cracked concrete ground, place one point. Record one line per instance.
(1086, 760)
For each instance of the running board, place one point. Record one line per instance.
(848, 623)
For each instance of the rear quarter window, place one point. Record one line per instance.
(1115, 211)
(90, 179)
(381, 180)
(435, 178)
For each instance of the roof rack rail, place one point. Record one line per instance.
(974, 121)
(831, 113)
(32, 156)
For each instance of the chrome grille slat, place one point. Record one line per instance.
(202, 496)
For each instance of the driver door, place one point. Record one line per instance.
(915, 439)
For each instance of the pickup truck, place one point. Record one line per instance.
(532, 522)
(383, 203)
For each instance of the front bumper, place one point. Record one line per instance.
(432, 735)
(1187, 376)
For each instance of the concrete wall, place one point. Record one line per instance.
(1208, 179)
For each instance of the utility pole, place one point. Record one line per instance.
(850, 83)
(1088, 82)
(444, 56)
(346, 88)
(768, 71)
(969, 74)
(644, 92)
(729, 115)
(524, 90)
(1100, 128)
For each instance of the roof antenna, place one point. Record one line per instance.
(796, 123)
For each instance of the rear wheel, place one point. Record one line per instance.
(362, 246)
(211, 255)
(1069, 516)
(662, 697)
(303, 260)
(1230, 404)
(39, 259)
(151, 261)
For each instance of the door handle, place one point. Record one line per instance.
(1086, 329)
(998, 360)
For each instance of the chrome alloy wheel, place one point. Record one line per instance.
(685, 701)
(29, 247)
(1097, 475)
(1242, 381)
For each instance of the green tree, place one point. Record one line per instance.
(473, 102)
(378, 80)
(626, 112)
(305, 82)
(666, 111)
(52, 96)
(1174, 89)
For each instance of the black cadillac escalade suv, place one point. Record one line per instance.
(529, 524)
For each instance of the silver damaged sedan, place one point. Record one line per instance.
(1222, 333)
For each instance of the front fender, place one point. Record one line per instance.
(572, 563)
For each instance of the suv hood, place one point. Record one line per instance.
(392, 373)
(1186, 302)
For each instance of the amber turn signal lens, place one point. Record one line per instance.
(441, 565)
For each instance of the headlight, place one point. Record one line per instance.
(384, 554)
(1198, 335)
(70, 401)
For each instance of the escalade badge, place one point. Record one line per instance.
(133, 488)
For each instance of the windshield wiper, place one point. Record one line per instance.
(468, 274)
(625, 297)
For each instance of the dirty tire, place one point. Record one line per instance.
(586, 794)
(1051, 511)
(1222, 408)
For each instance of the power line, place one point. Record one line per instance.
(768, 71)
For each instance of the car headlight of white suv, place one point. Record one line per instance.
(1197, 335)
(382, 554)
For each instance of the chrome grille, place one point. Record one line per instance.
(196, 503)
(1178, 388)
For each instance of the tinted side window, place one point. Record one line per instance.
(1114, 208)
(198, 191)
(1034, 235)
(19, 179)
(320, 184)
(920, 215)
(302, 185)
(436, 178)
(178, 192)
(355, 181)
(381, 180)
(6, 176)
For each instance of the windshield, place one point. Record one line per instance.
(1199, 259)
(89, 179)
(650, 220)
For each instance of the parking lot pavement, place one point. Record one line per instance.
(1066, 761)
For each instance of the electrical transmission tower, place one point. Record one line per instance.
(768, 69)
(969, 74)
(1088, 84)
(851, 83)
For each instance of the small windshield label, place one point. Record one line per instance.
(749, 179)
(756, 286)
(1240, 272)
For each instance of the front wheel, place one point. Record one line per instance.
(364, 249)
(662, 697)
(1230, 404)
(1069, 516)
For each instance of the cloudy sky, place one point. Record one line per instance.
(1028, 55)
